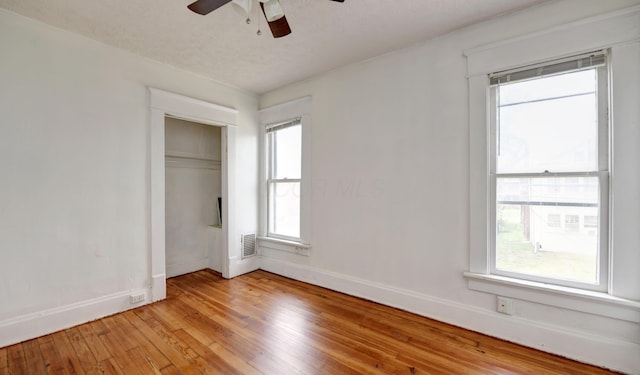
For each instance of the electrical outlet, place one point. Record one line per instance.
(505, 306)
(136, 298)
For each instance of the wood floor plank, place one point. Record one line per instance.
(142, 361)
(208, 331)
(265, 344)
(171, 370)
(110, 336)
(16, 361)
(97, 348)
(53, 361)
(110, 367)
(174, 357)
(245, 342)
(212, 359)
(261, 323)
(118, 333)
(70, 359)
(87, 360)
(148, 349)
(168, 335)
(33, 357)
(233, 360)
(3, 361)
(359, 352)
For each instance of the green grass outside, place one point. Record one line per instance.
(514, 253)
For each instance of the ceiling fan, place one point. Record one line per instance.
(271, 9)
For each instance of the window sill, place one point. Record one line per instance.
(285, 245)
(596, 303)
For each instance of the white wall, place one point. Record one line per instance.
(390, 187)
(390, 182)
(74, 160)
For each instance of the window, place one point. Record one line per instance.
(590, 221)
(553, 221)
(571, 223)
(285, 191)
(284, 169)
(617, 292)
(550, 148)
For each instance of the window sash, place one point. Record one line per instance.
(272, 146)
(602, 173)
(271, 215)
(603, 241)
(271, 130)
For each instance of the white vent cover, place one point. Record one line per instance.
(248, 245)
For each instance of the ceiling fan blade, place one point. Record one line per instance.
(279, 27)
(206, 6)
(340, 1)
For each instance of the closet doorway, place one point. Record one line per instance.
(163, 104)
(193, 197)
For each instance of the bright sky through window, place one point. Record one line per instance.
(548, 126)
(285, 175)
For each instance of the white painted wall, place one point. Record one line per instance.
(192, 187)
(390, 183)
(390, 187)
(74, 161)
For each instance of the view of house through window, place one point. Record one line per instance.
(284, 142)
(549, 172)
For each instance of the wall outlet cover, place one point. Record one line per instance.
(505, 305)
(136, 298)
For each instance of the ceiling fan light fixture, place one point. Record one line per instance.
(272, 10)
(243, 7)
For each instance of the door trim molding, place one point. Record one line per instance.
(166, 104)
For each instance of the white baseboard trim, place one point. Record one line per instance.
(26, 327)
(599, 351)
(239, 267)
(191, 265)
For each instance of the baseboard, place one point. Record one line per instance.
(191, 265)
(239, 267)
(26, 327)
(599, 351)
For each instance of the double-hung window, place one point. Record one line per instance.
(549, 172)
(285, 192)
(284, 179)
(553, 167)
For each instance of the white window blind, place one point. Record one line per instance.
(573, 63)
(283, 125)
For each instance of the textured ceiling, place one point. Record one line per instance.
(222, 46)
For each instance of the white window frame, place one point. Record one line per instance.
(602, 173)
(272, 181)
(618, 32)
(279, 114)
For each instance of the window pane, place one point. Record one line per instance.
(548, 124)
(553, 220)
(285, 209)
(541, 227)
(567, 84)
(287, 149)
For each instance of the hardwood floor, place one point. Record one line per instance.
(261, 323)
